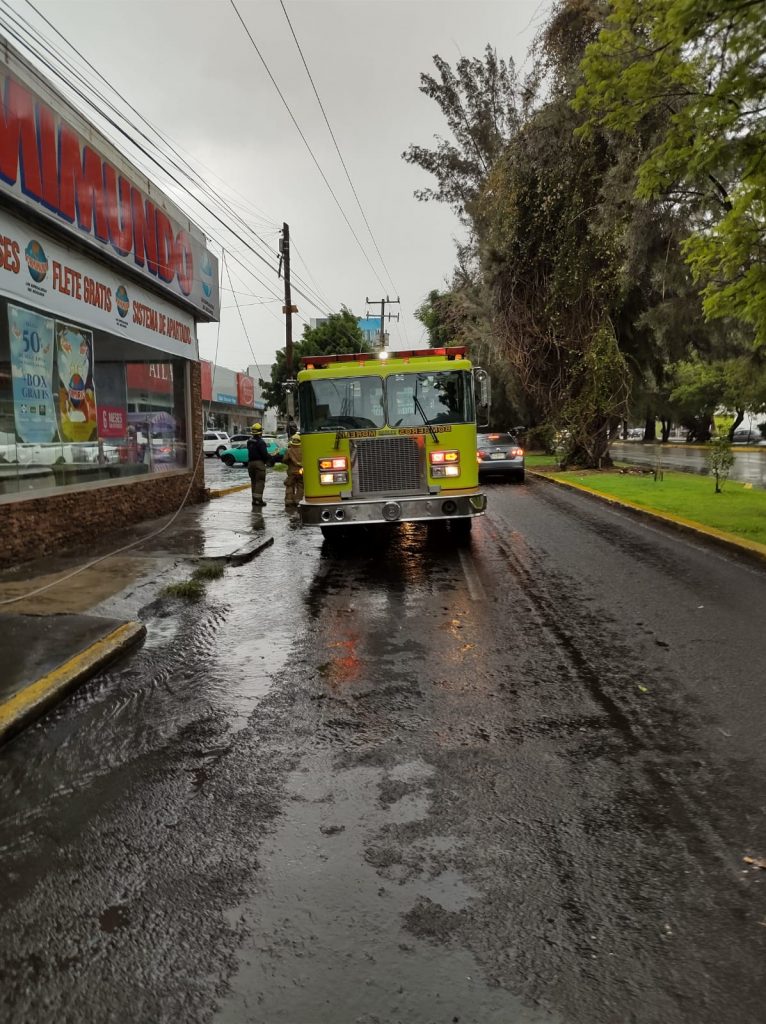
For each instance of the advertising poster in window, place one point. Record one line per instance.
(77, 393)
(32, 372)
(112, 400)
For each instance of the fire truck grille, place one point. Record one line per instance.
(387, 465)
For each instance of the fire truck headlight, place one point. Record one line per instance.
(444, 464)
(333, 478)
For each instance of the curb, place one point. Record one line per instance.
(750, 548)
(223, 491)
(36, 698)
(248, 552)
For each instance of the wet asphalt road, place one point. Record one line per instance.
(408, 783)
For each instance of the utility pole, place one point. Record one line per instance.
(288, 309)
(383, 315)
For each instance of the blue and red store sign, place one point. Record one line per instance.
(53, 161)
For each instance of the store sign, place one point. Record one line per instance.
(245, 390)
(32, 354)
(46, 274)
(64, 175)
(226, 399)
(112, 401)
(156, 378)
(207, 380)
(77, 394)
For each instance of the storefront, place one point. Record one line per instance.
(231, 400)
(102, 283)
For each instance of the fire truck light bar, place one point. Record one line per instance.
(319, 362)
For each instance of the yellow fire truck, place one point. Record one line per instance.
(390, 437)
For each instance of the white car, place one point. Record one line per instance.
(214, 442)
(44, 454)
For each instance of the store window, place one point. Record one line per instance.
(82, 406)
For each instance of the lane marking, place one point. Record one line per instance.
(474, 584)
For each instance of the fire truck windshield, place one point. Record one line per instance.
(440, 397)
(350, 403)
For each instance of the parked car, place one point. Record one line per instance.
(500, 454)
(236, 454)
(23, 454)
(215, 441)
(744, 436)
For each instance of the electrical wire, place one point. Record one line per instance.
(160, 135)
(337, 149)
(306, 142)
(187, 170)
(148, 155)
(242, 321)
(310, 275)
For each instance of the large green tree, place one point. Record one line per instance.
(339, 333)
(576, 280)
(692, 72)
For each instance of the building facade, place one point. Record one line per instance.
(102, 283)
(232, 400)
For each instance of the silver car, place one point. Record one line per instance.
(500, 454)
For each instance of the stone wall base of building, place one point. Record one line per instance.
(35, 527)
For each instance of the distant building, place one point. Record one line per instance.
(231, 400)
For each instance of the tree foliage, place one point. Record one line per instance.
(720, 459)
(693, 72)
(481, 104)
(338, 334)
(603, 196)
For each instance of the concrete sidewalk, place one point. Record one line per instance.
(54, 640)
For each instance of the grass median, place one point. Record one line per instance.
(740, 510)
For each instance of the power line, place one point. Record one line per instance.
(199, 182)
(310, 275)
(160, 135)
(337, 148)
(306, 143)
(241, 318)
(191, 174)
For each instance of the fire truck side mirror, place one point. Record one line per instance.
(483, 393)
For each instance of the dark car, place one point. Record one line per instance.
(500, 454)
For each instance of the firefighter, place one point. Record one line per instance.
(258, 459)
(294, 479)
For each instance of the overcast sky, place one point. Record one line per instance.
(190, 69)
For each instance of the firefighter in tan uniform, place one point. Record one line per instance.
(294, 479)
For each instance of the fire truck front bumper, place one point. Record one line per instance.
(415, 508)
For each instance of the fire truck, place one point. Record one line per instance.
(390, 437)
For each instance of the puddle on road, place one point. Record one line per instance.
(164, 630)
(327, 935)
(112, 919)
